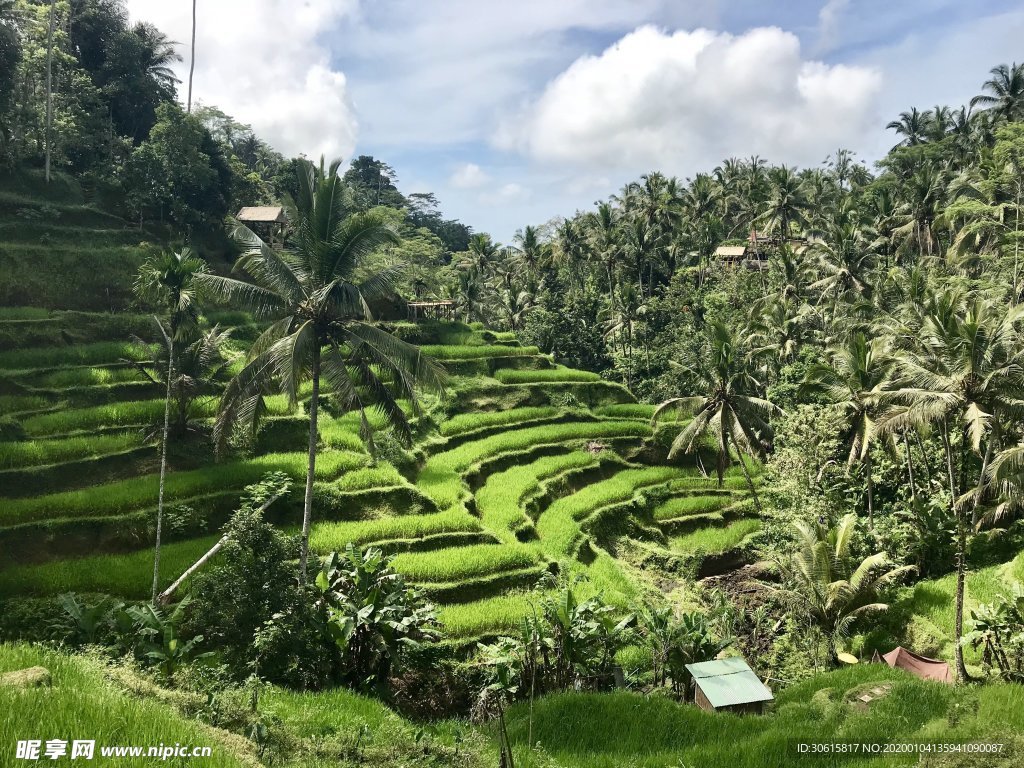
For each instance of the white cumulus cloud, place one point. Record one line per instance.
(681, 102)
(468, 176)
(266, 63)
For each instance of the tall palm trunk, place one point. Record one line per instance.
(910, 468)
(49, 87)
(192, 62)
(961, 558)
(307, 505)
(750, 484)
(871, 491)
(163, 463)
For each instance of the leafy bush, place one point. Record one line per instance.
(373, 617)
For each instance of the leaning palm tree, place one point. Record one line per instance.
(729, 410)
(315, 293)
(858, 379)
(823, 581)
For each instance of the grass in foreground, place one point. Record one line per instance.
(82, 704)
(625, 729)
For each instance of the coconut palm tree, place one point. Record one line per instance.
(315, 294)
(158, 53)
(1004, 92)
(787, 203)
(965, 375)
(912, 126)
(729, 409)
(168, 281)
(823, 581)
(858, 379)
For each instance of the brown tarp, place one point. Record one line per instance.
(919, 666)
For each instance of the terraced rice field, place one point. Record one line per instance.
(526, 467)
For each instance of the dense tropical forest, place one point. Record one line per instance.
(364, 486)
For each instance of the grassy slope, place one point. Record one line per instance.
(82, 704)
(623, 729)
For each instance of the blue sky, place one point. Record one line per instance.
(516, 113)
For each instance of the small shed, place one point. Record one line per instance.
(267, 221)
(426, 310)
(730, 685)
(731, 255)
(915, 664)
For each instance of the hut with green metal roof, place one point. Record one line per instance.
(730, 685)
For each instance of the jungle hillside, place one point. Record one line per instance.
(296, 468)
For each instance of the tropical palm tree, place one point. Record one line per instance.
(965, 375)
(912, 126)
(1004, 92)
(168, 281)
(787, 203)
(729, 410)
(823, 581)
(158, 53)
(859, 380)
(315, 292)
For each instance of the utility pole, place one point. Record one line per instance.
(49, 87)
